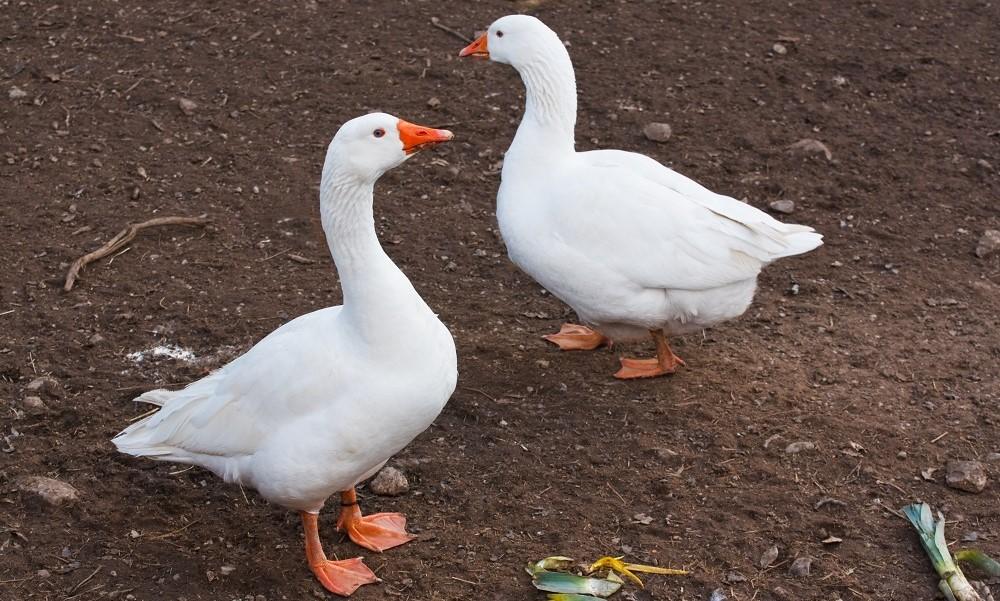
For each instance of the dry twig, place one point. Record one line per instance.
(458, 34)
(121, 239)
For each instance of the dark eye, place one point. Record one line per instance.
(499, 34)
(378, 133)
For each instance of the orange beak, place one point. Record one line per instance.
(476, 48)
(415, 137)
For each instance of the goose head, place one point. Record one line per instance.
(514, 40)
(368, 146)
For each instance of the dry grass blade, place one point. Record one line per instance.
(121, 239)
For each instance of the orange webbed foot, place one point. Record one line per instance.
(343, 577)
(377, 532)
(642, 368)
(665, 363)
(339, 577)
(573, 337)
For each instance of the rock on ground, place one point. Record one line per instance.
(389, 482)
(783, 206)
(657, 132)
(46, 385)
(801, 567)
(48, 490)
(969, 476)
(33, 404)
(989, 243)
(798, 447)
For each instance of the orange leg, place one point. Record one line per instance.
(572, 337)
(378, 532)
(666, 362)
(339, 577)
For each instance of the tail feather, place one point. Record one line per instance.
(802, 241)
(155, 397)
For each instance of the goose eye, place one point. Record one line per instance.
(378, 133)
(499, 34)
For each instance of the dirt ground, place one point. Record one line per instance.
(880, 348)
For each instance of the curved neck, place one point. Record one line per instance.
(550, 97)
(368, 277)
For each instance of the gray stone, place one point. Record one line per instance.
(718, 595)
(798, 447)
(993, 457)
(658, 132)
(188, 107)
(48, 490)
(768, 557)
(389, 482)
(783, 206)
(969, 476)
(988, 244)
(46, 385)
(780, 48)
(33, 404)
(801, 567)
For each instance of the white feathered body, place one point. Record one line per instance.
(325, 400)
(308, 411)
(631, 245)
(628, 243)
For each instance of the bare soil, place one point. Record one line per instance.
(881, 348)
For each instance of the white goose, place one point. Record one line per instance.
(635, 248)
(325, 400)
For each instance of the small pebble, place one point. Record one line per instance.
(390, 482)
(969, 476)
(95, 340)
(50, 491)
(993, 457)
(187, 107)
(434, 102)
(718, 595)
(786, 207)
(16, 92)
(768, 557)
(657, 132)
(801, 567)
(988, 244)
(46, 385)
(779, 49)
(33, 404)
(781, 594)
(901, 455)
(798, 447)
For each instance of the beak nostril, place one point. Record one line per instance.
(422, 132)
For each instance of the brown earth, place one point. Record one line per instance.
(886, 358)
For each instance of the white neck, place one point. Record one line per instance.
(371, 282)
(550, 103)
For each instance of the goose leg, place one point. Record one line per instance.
(666, 362)
(572, 337)
(378, 532)
(338, 577)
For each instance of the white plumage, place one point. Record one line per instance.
(633, 246)
(322, 402)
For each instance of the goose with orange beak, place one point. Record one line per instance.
(638, 250)
(321, 403)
